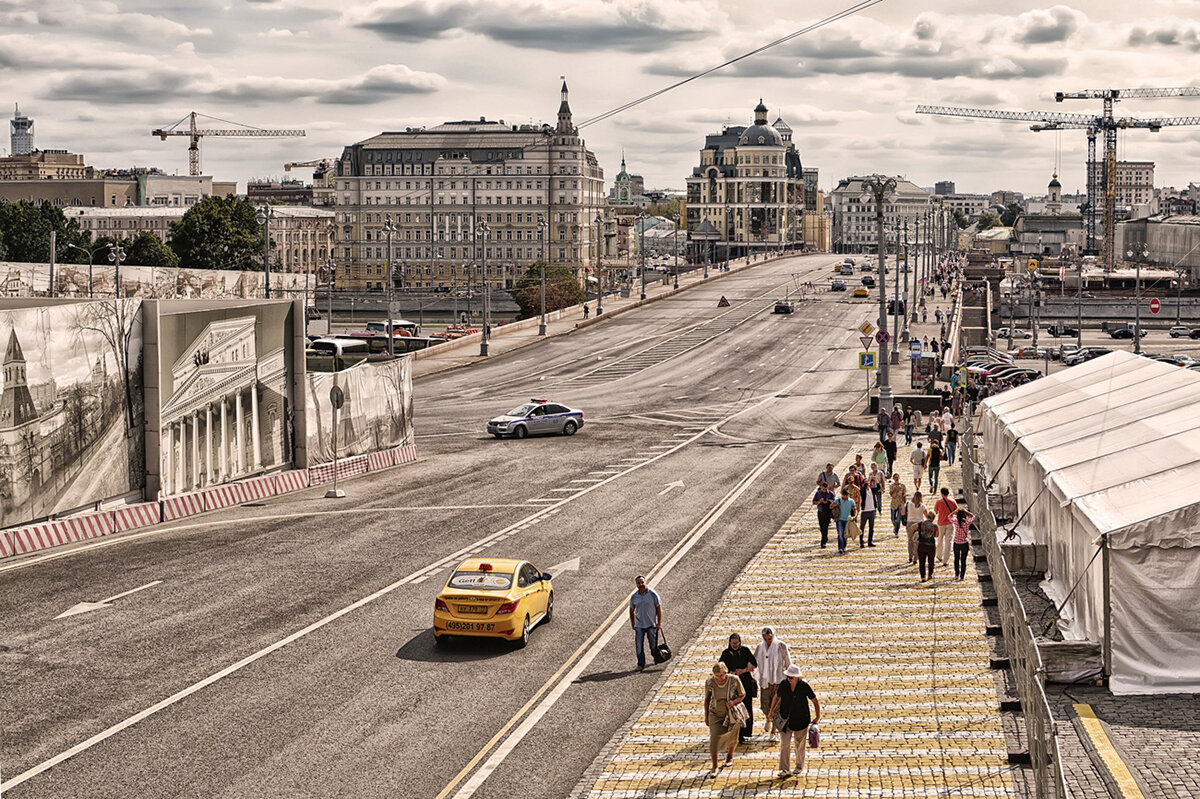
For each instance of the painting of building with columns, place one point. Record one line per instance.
(226, 403)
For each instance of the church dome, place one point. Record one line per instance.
(1054, 184)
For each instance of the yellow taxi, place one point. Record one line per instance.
(862, 291)
(493, 598)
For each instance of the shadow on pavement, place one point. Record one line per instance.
(606, 676)
(421, 648)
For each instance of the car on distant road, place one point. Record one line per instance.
(536, 417)
(785, 306)
(868, 281)
(1179, 330)
(891, 306)
(1125, 333)
(1085, 354)
(1062, 331)
(862, 291)
(493, 598)
(837, 284)
(1195, 333)
(847, 270)
(1016, 333)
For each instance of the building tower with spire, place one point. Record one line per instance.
(20, 134)
(1054, 195)
(16, 403)
(565, 126)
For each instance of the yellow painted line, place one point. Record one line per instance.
(1126, 784)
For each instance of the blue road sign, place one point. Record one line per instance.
(866, 360)
(882, 337)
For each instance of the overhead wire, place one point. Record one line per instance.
(846, 12)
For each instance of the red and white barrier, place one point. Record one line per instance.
(381, 460)
(182, 506)
(131, 517)
(62, 531)
(6, 549)
(405, 454)
(223, 496)
(346, 467)
(292, 480)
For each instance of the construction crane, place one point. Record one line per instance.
(1106, 122)
(194, 133)
(319, 165)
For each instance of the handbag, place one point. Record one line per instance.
(661, 652)
(814, 736)
(736, 714)
(751, 686)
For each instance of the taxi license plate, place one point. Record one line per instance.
(471, 626)
(480, 609)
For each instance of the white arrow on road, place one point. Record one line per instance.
(571, 565)
(85, 607)
(676, 484)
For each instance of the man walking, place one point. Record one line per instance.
(828, 479)
(935, 464)
(945, 509)
(645, 616)
(773, 660)
(889, 449)
(824, 500)
(951, 444)
(883, 421)
(917, 458)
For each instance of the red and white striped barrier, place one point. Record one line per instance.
(182, 506)
(346, 467)
(405, 454)
(292, 480)
(381, 460)
(223, 496)
(6, 549)
(61, 531)
(130, 517)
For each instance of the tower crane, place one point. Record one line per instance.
(318, 165)
(194, 133)
(1093, 124)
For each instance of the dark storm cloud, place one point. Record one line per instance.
(1181, 35)
(413, 22)
(1044, 27)
(101, 88)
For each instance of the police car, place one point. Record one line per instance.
(537, 417)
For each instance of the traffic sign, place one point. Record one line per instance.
(866, 360)
(336, 397)
(1155, 305)
(914, 348)
(1032, 264)
(866, 341)
(883, 338)
(723, 303)
(394, 309)
(866, 328)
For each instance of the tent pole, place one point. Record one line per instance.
(1107, 609)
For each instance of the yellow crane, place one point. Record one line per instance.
(194, 133)
(1093, 124)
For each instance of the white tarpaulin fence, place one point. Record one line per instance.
(376, 414)
(1109, 451)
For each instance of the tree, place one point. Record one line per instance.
(562, 290)
(218, 233)
(25, 233)
(960, 219)
(146, 249)
(666, 209)
(1011, 212)
(988, 220)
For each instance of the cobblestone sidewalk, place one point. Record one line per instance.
(908, 702)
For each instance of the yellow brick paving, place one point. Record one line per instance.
(908, 703)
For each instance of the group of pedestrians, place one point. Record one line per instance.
(852, 503)
(739, 675)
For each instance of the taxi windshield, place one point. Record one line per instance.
(522, 411)
(481, 581)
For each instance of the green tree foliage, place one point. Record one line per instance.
(666, 209)
(988, 220)
(1011, 212)
(146, 249)
(562, 290)
(218, 233)
(25, 230)
(961, 219)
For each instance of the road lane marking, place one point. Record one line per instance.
(552, 690)
(86, 607)
(1126, 784)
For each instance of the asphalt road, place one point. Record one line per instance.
(287, 649)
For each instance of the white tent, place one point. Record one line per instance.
(1104, 459)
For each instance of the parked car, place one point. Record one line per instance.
(1195, 333)
(1016, 333)
(1179, 330)
(1085, 354)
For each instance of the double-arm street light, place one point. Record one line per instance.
(389, 228)
(1141, 252)
(599, 267)
(90, 254)
(675, 246)
(483, 230)
(265, 215)
(116, 256)
(880, 189)
(641, 224)
(542, 226)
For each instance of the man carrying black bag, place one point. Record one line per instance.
(645, 616)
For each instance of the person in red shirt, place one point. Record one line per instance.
(944, 508)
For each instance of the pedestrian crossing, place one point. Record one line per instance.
(908, 702)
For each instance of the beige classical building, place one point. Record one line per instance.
(855, 227)
(750, 187)
(818, 224)
(301, 238)
(464, 194)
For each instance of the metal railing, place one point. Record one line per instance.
(1041, 730)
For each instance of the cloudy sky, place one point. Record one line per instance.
(98, 75)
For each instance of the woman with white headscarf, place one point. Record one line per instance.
(773, 659)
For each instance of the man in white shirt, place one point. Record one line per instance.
(917, 458)
(773, 659)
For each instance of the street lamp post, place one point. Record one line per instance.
(641, 218)
(116, 256)
(542, 225)
(90, 254)
(484, 229)
(265, 215)
(879, 189)
(599, 220)
(675, 246)
(330, 274)
(1144, 252)
(896, 295)
(389, 228)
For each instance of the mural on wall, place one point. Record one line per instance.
(376, 414)
(72, 280)
(72, 420)
(226, 403)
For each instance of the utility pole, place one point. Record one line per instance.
(880, 189)
(541, 226)
(599, 267)
(389, 228)
(265, 215)
(483, 231)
